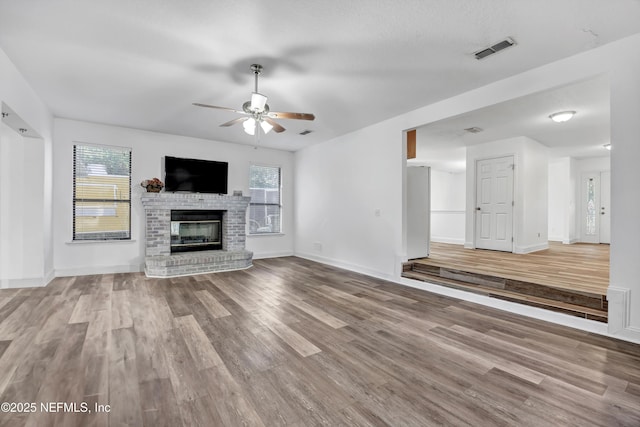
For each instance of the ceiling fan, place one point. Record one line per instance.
(256, 111)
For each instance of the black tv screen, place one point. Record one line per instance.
(195, 176)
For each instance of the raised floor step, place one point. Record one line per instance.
(589, 306)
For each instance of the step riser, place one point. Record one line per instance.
(589, 316)
(486, 283)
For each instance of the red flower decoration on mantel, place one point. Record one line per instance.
(153, 185)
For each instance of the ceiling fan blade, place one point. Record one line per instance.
(197, 104)
(296, 116)
(233, 122)
(276, 126)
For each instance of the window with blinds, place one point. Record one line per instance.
(265, 185)
(101, 192)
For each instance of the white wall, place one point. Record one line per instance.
(534, 228)
(26, 223)
(349, 200)
(341, 182)
(562, 198)
(22, 190)
(624, 291)
(448, 194)
(148, 148)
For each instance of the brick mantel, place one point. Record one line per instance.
(159, 260)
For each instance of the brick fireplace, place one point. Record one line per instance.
(161, 261)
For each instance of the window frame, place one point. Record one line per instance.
(74, 232)
(279, 204)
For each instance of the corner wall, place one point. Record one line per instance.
(29, 161)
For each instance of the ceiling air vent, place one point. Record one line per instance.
(508, 42)
(474, 130)
(306, 132)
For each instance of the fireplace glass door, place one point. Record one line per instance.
(195, 233)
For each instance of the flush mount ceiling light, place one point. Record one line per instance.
(562, 116)
(607, 146)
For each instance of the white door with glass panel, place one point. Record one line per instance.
(596, 207)
(494, 204)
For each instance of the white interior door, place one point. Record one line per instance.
(494, 204)
(596, 207)
(418, 211)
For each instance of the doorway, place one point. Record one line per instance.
(596, 207)
(494, 204)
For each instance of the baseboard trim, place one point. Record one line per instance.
(101, 269)
(448, 240)
(570, 241)
(265, 255)
(346, 265)
(531, 248)
(31, 282)
(51, 274)
(628, 334)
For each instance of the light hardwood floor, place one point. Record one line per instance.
(293, 342)
(579, 267)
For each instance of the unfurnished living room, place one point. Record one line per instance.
(378, 213)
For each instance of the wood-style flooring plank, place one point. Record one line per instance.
(124, 389)
(320, 314)
(202, 352)
(212, 305)
(296, 341)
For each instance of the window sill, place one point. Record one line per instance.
(265, 235)
(86, 242)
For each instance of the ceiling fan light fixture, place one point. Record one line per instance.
(266, 127)
(256, 111)
(258, 101)
(562, 116)
(249, 126)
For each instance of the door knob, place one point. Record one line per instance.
(477, 209)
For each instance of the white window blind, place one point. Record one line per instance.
(101, 192)
(265, 208)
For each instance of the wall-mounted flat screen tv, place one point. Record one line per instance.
(195, 176)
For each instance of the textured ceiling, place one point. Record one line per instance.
(441, 144)
(141, 63)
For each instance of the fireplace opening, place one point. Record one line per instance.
(196, 230)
